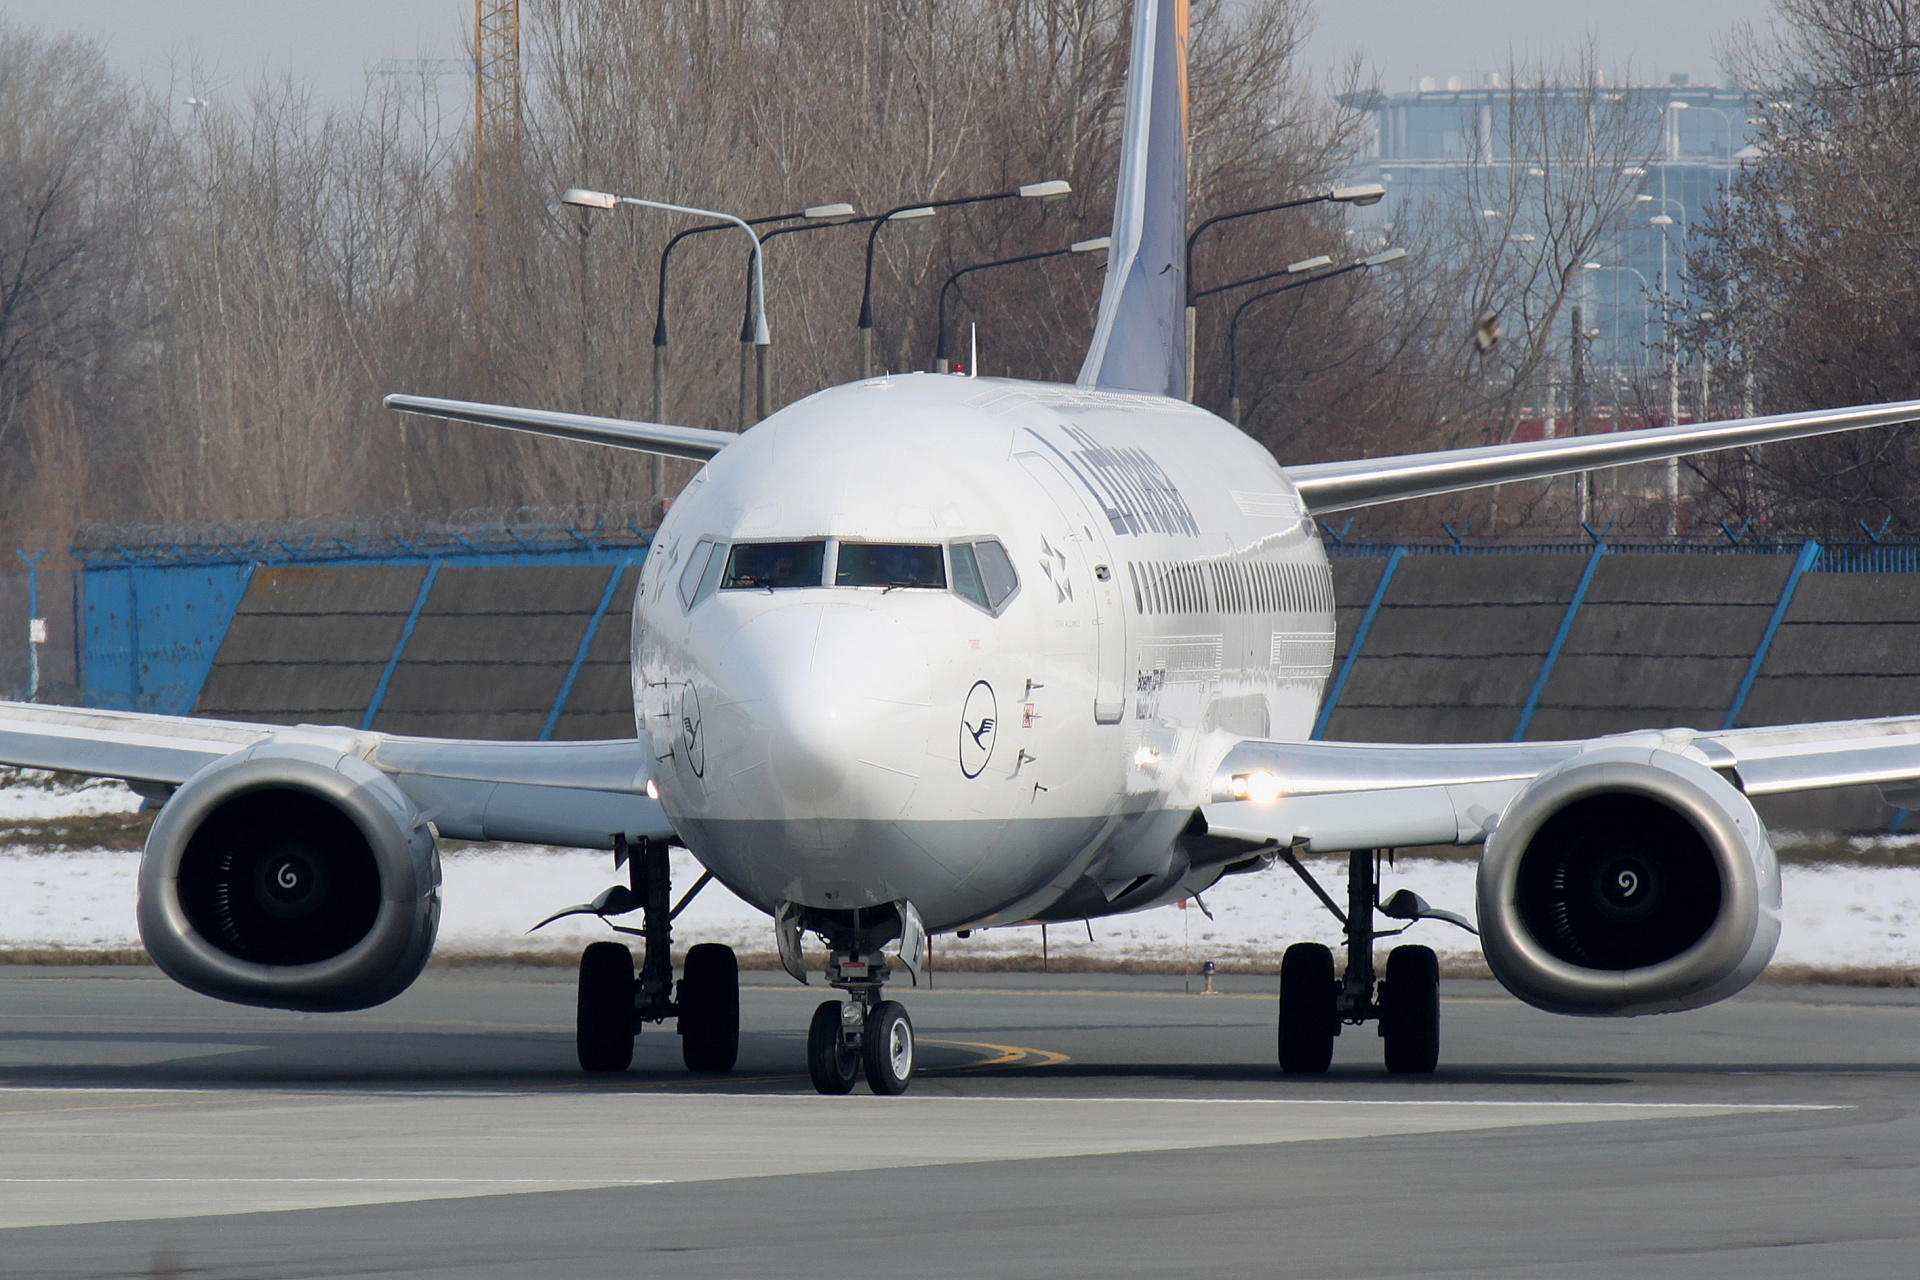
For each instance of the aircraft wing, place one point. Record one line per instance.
(1362, 482)
(645, 437)
(1339, 796)
(561, 793)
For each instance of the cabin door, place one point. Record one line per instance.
(1092, 564)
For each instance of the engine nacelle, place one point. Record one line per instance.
(291, 877)
(1628, 881)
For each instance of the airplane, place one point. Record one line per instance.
(922, 653)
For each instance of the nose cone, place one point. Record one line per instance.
(823, 715)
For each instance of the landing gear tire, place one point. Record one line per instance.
(1309, 1013)
(710, 1008)
(833, 1066)
(1410, 1010)
(604, 1023)
(887, 1046)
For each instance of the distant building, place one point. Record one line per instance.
(1426, 142)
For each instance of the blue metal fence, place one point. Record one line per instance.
(1833, 557)
(150, 616)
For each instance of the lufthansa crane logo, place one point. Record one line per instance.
(692, 740)
(979, 721)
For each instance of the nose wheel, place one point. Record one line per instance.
(846, 1038)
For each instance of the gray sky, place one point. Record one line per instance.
(330, 43)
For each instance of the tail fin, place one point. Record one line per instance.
(1139, 340)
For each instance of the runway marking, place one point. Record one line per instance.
(225, 1096)
(1009, 1055)
(565, 1182)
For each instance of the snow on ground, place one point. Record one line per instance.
(29, 795)
(1836, 916)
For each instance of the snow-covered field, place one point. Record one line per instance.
(1837, 915)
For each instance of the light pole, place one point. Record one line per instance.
(1364, 193)
(1055, 189)
(1381, 259)
(940, 362)
(756, 360)
(1291, 269)
(1725, 119)
(603, 200)
(661, 362)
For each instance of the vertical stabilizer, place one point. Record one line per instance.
(1138, 341)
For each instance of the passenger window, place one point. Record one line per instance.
(696, 565)
(871, 565)
(996, 572)
(966, 577)
(771, 565)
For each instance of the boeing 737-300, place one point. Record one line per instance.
(926, 653)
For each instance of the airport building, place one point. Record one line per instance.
(1432, 148)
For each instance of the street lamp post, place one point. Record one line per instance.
(941, 364)
(661, 362)
(756, 359)
(1055, 189)
(1381, 259)
(1364, 193)
(588, 199)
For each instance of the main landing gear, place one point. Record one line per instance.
(615, 1001)
(1405, 1001)
(864, 1032)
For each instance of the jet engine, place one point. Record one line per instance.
(1626, 882)
(291, 877)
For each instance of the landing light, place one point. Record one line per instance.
(1260, 786)
(653, 789)
(1146, 757)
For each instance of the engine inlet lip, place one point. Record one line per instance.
(1544, 980)
(180, 951)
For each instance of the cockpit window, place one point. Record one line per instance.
(996, 571)
(966, 577)
(866, 564)
(769, 565)
(696, 565)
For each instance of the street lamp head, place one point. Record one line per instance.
(1522, 238)
(1661, 220)
(1361, 193)
(1633, 171)
(1056, 189)
(1643, 198)
(1676, 106)
(588, 199)
(1591, 266)
(908, 215)
(1384, 257)
(830, 213)
(1308, 264)
(1100, 245)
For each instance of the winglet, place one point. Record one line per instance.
(1138, 342)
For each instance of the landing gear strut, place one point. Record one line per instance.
(1405, 1002)
(865, 1031)
(615, 1001)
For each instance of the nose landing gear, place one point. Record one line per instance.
(1405, 1001)
(865, 1031)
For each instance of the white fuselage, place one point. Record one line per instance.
(828, 745)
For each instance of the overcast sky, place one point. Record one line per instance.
(330, 43)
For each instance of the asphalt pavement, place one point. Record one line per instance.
(1063, 1125)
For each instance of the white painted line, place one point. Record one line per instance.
(564, 1182)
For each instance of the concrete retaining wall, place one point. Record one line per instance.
(1456, 650)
